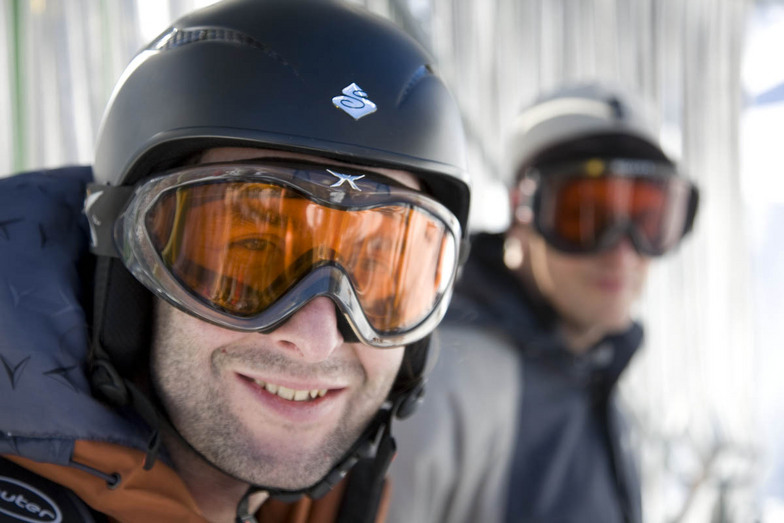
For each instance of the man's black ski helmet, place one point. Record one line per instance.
(263, 73)
(247, 73)
(274, 74)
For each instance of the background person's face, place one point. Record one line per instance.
(593, 291)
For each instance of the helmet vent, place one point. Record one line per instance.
(617, 108)
(179, 37)
(419, 74)
(190, 35)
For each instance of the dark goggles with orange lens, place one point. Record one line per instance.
(244, 246)
(588, 207)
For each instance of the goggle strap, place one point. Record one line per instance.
(465, 249)
(694, 203)
(102, 207)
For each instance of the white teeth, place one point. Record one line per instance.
(291, 394)
(301, 395)
(286, 393)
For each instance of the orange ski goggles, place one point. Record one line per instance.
(244, 246)
(589, 207)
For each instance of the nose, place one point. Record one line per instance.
(622, 254)
(312, 332)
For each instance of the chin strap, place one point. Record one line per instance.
(366, 483)
(122, 393)
(243, 515)
(368, 460)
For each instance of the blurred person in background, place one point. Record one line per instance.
(274, 228)
(594, 199)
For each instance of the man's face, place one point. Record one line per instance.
(593, 291)
(274, 409)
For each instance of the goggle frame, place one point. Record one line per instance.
(135, 246)
(535, 183)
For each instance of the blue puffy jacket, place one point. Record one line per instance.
(61, 447)
(51, 425)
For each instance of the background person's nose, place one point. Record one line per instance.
(622, 253)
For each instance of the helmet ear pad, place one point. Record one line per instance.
(409, 388)
(122, 318)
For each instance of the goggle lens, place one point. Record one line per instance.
(240, 246)
(583, 214)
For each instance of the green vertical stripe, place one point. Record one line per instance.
(106, 45)
(18, 107)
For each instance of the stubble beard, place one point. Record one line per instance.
(202, 415)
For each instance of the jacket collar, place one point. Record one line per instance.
(491, 296)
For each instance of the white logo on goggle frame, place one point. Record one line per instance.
(354, 102)
(345, 178)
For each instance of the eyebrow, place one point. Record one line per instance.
(246, 212)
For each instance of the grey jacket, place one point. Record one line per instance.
(454, 452)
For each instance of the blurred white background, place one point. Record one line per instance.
(706, 392)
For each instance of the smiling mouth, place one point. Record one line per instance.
(291, 394)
